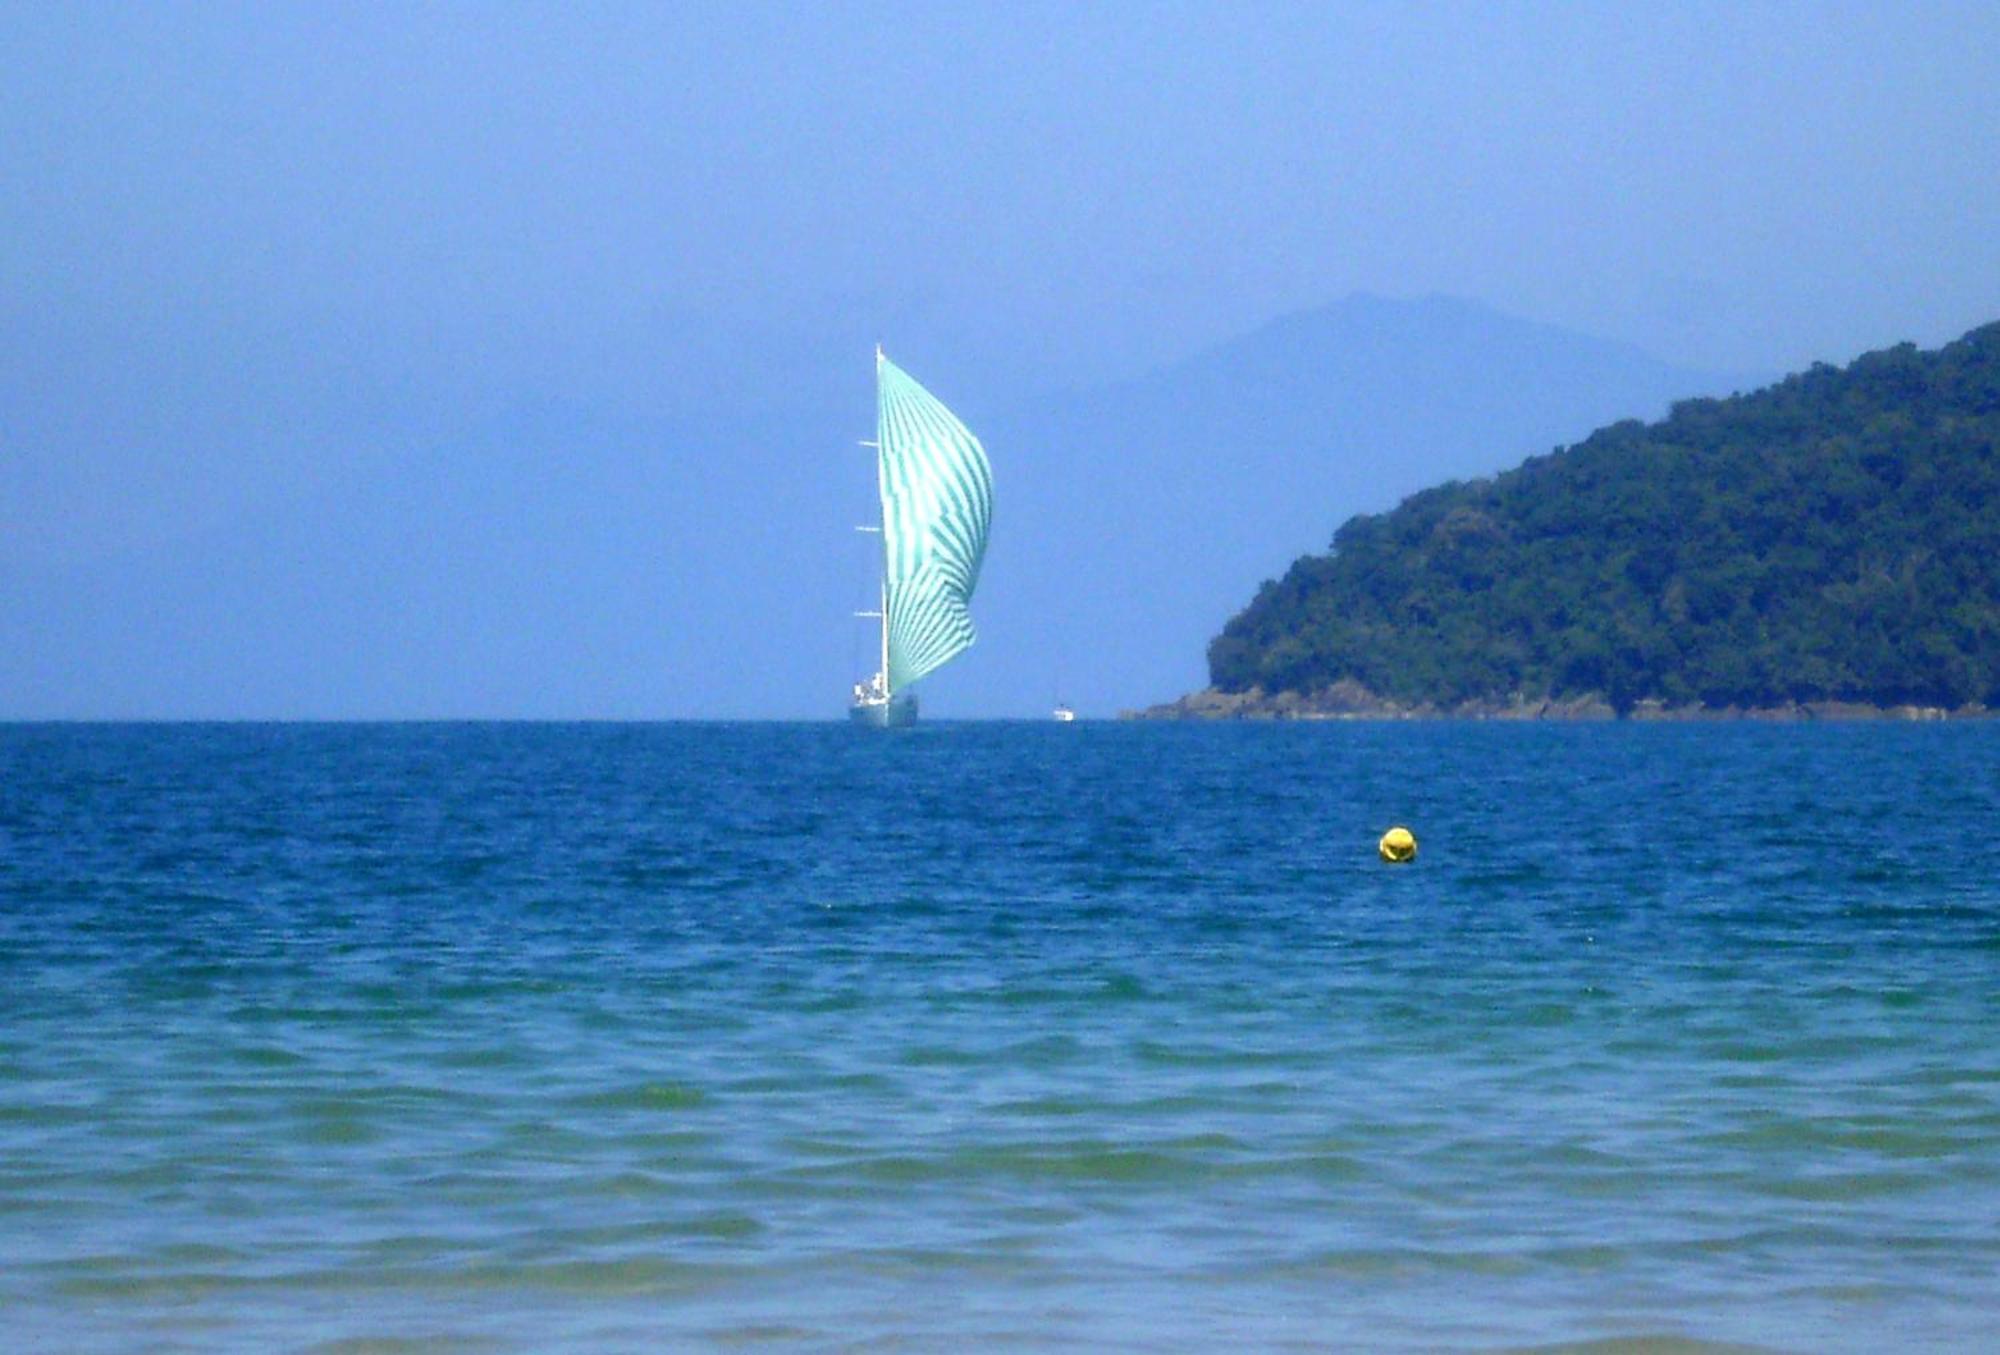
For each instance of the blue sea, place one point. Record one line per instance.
(467, 1037)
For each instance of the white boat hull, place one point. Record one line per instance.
(893, 713)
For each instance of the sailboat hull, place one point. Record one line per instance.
(895, 713)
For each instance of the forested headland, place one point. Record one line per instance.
(1831, 540)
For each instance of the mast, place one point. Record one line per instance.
(882, 520)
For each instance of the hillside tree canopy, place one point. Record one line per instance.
(1833, 537)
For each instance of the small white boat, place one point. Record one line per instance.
(1064, 715)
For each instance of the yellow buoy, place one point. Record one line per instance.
(1397, 846)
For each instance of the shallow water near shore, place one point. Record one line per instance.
(519, 1037)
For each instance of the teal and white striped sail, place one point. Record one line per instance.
(937, 504)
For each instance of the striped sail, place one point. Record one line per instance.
(937, 502)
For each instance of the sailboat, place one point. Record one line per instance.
(936, 491)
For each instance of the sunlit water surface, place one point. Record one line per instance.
(1099, 1036)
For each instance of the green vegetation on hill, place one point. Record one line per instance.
(1835, 537)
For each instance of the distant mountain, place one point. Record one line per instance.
(1133, 518)
(1834, 538)
(550, 557)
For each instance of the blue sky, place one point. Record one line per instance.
(252, 256)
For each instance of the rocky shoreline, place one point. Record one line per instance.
(1349, 700)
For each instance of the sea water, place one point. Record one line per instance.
(632, 1037)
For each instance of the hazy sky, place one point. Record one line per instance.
(250, 253)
